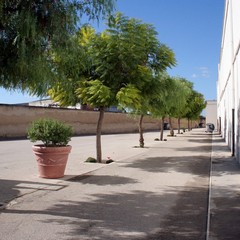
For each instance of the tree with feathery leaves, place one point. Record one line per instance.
(30, 30)
(121, 63)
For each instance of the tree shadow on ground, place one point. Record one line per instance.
(8, 191)
(218, 139)
(227, 165)
(196, 150)
(179, 213)
(102, 180)
(204, 144)
(198, 136)
(11, 189)
(200, 139)
(219, 146)
(225, 214)
(187, 220)
(199, 165)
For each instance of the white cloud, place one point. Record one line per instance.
(204, 72)
(201, 72)
(194, 75)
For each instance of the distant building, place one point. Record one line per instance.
(43, 103)
(211, 112)
(51, 103)
(228, 101)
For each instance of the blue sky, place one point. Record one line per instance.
(191, 28)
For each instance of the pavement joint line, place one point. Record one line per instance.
(209, 195)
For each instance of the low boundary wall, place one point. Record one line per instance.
(15, 120)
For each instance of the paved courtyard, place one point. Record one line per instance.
(185, 188)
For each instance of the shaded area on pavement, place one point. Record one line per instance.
(225, 204)
(167, 210)
(8, 190)
(225, 216)
(118, 202)
(187, 218)
(11, 189)
(123, 216)
(196, 165)
(103, 180)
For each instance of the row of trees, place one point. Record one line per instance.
(125, 65)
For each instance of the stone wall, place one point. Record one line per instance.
(15, 119)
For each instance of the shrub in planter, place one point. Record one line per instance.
(52, 154)
(51, 132)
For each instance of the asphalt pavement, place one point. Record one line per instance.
(185, 188)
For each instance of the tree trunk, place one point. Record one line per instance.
(179, 125)
(141, 139)
(162, 128)
(171, 128)
(99, 131)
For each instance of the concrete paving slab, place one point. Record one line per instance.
(225, 193)
(159, 192)
(18, 165)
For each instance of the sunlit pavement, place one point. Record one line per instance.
(159, 192)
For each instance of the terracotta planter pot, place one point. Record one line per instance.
(51, 161)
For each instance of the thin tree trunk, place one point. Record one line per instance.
(99, 131)
(162, 128)
(179, 125)
(141, 139)
(171, 128)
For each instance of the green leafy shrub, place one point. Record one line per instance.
(91, 160)
(50, 131)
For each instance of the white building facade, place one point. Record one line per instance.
(211, 113)
(228, 86)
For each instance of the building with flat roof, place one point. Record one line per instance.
(211, 113)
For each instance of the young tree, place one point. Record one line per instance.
(179, 107)
(148, 89)
(121, 64)
(29, 29)
(125, 58)
(161, 102)
(152, 58)
(196, 103)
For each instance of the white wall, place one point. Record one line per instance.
(229, 77)
(211, 113)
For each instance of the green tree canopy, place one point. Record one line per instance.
(162, 101)
(196, 104)
(29, 29)
(182, 95)
(120, 65)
